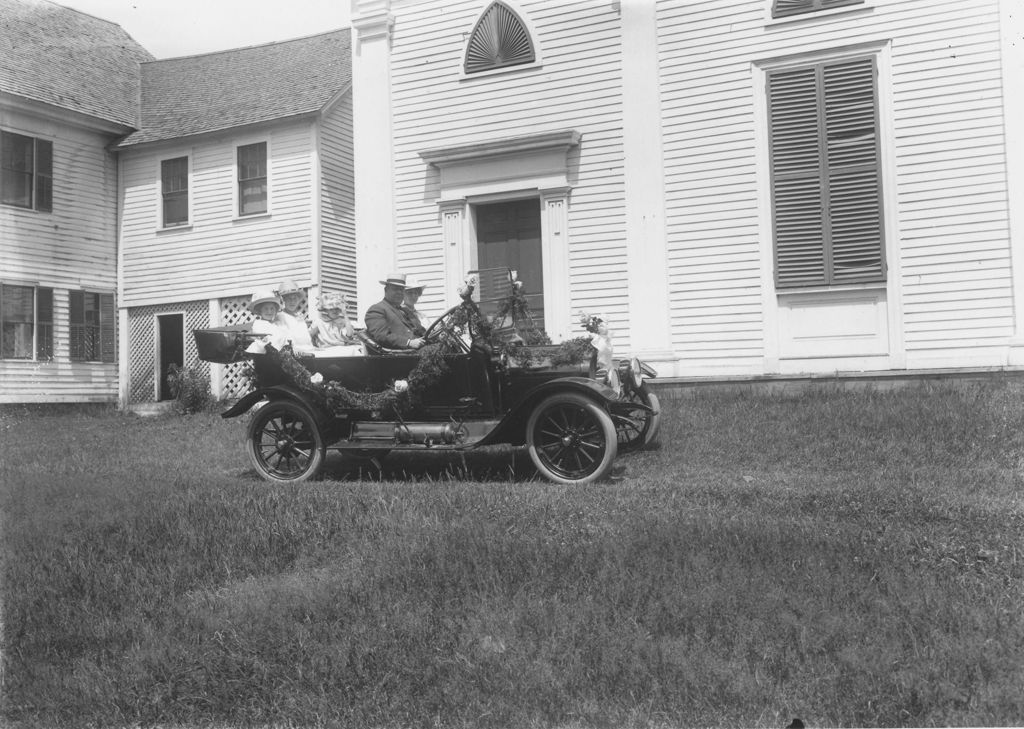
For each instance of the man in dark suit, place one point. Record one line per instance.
(386, 322)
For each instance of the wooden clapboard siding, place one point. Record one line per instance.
(218, 255)
(72, 247)
(338, 235)
(578, 87)
(945, 140)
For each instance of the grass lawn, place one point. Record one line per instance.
(849, 558)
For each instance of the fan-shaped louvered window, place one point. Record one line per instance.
(782, 8)
(499, 39)
(826, 176)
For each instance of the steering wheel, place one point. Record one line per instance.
(444, 328)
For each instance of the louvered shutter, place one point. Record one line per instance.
(76, 324)
(499, 39)
(781, 8)
(108, 329)
(44, 324)
(797, 186)
(854, 179)
(826, 182)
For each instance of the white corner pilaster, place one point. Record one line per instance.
(216, 370)
(454, 234)
(646, 241)
(373, 151)
(1012, 27)
(554, 206)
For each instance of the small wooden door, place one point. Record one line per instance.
(508, 236)
(171, 330)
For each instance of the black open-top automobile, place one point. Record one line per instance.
(458, 392)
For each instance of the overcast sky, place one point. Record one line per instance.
(170, 28)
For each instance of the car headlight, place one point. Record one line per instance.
(636, 373)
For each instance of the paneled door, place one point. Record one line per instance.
(509, 236)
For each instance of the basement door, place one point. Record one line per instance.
(509, 236)
(171, 349)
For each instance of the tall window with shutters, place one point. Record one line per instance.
(92, 327)
(783, 8)
(825, 174)
(499, 39)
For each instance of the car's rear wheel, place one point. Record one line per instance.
(639, 428)
(285, 443)
(571, 439)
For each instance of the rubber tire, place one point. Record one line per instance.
(649, 431)
(577, 413)
(289, 417)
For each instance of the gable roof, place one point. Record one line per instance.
(72, 60)
(215, 91)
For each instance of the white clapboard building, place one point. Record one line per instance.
(69, 85)
(743, 187)
(238, 178)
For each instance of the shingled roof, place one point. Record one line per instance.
(69, 59)
(215, 91)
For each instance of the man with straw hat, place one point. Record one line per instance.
(386, 321)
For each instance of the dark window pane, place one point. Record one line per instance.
(16, 311)
(174, 186)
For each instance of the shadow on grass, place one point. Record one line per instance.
(498, 464)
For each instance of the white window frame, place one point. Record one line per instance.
(882, 51)
(161, 224)
(236, 213)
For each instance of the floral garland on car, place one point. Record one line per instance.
(401, 396)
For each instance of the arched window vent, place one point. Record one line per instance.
(499, 39)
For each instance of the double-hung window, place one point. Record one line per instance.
(826, 179)
(783, 8)
(252, 179)
(26, 322)
(27, 172)
(174, 191)
(92, 327)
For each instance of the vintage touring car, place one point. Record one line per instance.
(458, 392)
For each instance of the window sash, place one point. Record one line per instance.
(252, 179)
(92, 327)
(174, 190)
(826, 174)
(783, 8)
(26, 172)
(26, 322)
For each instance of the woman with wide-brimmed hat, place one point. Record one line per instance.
(331, 327)
(298, 328)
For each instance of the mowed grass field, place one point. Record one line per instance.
(848, 558)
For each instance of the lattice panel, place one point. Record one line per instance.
(142, 349)
(235, 380)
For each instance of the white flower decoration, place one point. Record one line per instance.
(316, 379)
(401, 385)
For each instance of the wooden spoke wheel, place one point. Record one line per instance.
(639, 428)
(571, 439)
(285, 443)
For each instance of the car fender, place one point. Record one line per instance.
(277, 392)
(512, 428)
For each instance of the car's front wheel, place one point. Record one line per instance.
(285, 443)
(571, 439)
(640, 427)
